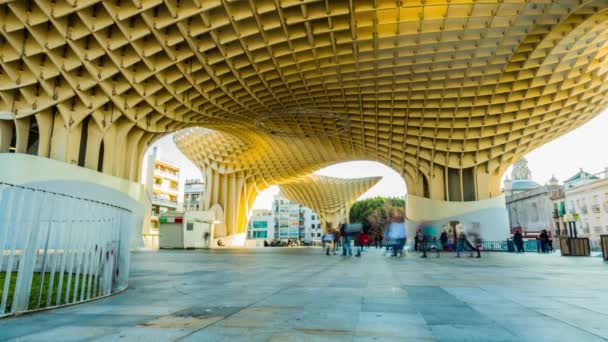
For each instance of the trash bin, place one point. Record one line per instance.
(510, 246)
(604, 241)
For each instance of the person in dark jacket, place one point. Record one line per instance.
(518, 240)
(544, 241)
(444, 240)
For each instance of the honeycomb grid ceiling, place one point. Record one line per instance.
(452, 83)
(329, 197)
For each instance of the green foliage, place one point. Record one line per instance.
(375, 213)
(36, 288)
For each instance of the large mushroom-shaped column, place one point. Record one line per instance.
(448, 93)
(331, 198)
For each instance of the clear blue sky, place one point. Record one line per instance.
(585, 147)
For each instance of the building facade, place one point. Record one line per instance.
(312, 226)
(529, 204)
(293, 221)
(193, 194)
(161, 181)
(261, 225)
(589, 199)
(162, 184)
(165, 187)
(288, 219)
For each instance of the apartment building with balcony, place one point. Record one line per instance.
(261, 225)
(193, 193)
(293, 221)
(162, 186)
(588, 197)
(165, 187)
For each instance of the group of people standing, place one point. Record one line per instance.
(544, 243)
(334, 239)
(394, 238)
(426, 241)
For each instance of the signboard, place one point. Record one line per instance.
(164, 219)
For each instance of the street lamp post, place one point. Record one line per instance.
(567, 223)
(575, 218)
(572, 245)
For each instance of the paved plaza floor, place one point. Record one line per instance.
(299, 294)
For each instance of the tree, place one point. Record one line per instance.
(375, 213)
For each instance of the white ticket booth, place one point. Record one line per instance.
(186, 229)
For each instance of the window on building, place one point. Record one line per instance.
(260, 224)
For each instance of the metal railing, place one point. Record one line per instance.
(57, 249)
(487, 246)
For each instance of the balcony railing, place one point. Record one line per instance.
(167, 174)
(158, 200)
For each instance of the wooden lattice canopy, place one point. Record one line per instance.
(331, 198)
(448, 93)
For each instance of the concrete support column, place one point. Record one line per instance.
(132, 159)
(45, 131)
(94, 139)
(22, 128)
(65, 140)
(6, 135)
(206, 198)
(109, 146)
(234, 194)
(142, 147)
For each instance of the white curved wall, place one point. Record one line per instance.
(52, 175)
(490, 213)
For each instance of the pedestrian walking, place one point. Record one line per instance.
(397, 233)
(429, 239)
(518, 240)
(328, 239)
(362, 240)
(544, 241)
(346, 248)
(444, 240)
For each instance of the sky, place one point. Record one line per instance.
(585, 147)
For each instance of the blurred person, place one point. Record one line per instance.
(518, 240)
(328, 239)
(444, 240)
(544, 241)
(397, 233)
(428, 232)
(474, 238)
(460, 243)
(362, 240)
(346, 248)
(337, 239)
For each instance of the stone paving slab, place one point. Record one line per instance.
(299, 294)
